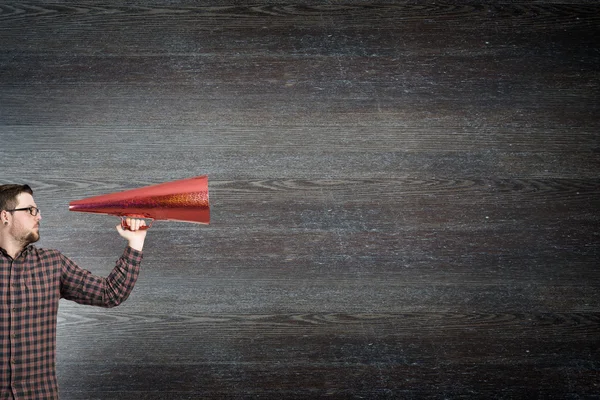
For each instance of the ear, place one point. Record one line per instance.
(4, 217)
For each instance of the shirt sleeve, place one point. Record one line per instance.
(83, 287)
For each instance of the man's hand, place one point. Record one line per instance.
(134, 235)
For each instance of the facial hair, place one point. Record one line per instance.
(30, 237)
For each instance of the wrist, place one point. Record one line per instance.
(136, 244)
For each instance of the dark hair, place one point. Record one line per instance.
(9, 194)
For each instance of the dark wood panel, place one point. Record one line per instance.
(389, 355)
(404, 196)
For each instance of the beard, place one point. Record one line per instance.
(29, 238)
(32, 237)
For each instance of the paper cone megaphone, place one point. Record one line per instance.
(183, 200)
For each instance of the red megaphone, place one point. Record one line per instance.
(183, 200)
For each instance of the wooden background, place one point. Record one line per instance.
(404, 195)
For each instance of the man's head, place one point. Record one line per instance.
(17, 209)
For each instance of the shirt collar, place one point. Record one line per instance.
(23, 252)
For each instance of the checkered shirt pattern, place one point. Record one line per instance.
(31, 286)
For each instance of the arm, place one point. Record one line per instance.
(83, 287)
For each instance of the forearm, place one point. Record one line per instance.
(86, 288)
(122, 278)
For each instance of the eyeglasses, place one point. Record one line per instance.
(32, 210)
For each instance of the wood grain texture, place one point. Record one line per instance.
(404, 195)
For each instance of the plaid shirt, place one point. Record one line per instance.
(30, 287)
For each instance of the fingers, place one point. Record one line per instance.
(135, 224)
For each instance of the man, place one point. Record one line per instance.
(32, 281)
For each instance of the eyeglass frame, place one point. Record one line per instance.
(30, 209)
